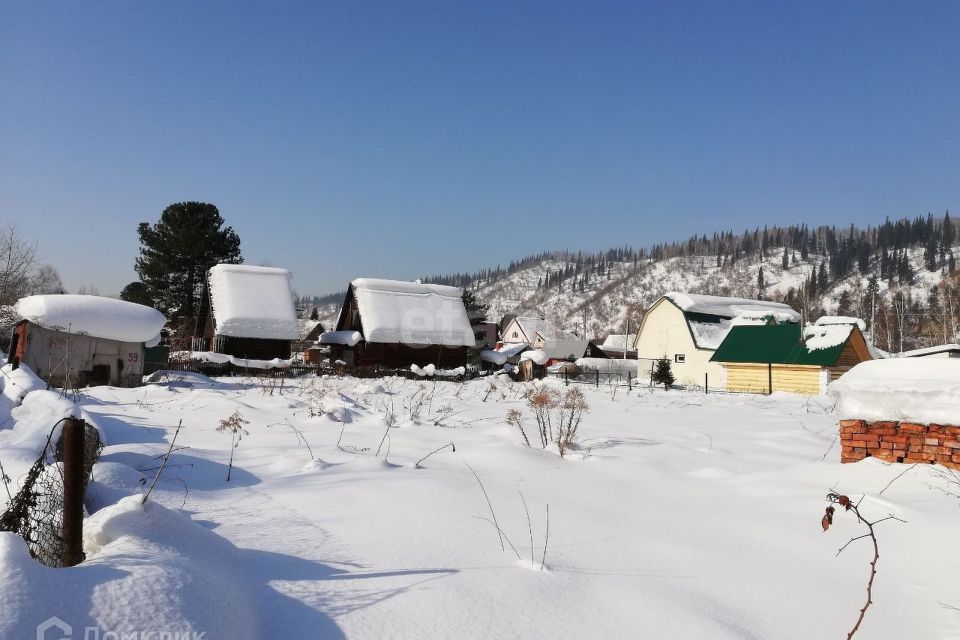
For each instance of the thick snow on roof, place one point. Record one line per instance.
(828, 320)
(709, 335)
(253, 302)
(916, 353)
(732, 307)
(826, 336)
(512, 348)
(924, 390)
(93, 316)
(393, 311)
(537, 356)
(349, 338)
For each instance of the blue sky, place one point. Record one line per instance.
(392, 139)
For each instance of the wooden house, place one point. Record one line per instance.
(247, 312)
(79, 340)
(764, 359)
(391, 324)
(687, 329)
(522, 329)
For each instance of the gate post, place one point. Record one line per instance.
(74, 439)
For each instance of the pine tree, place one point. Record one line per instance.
(315, 314)
(760, 283)
(177, 251)
(662, 374)
(785, 263)
(822, 278)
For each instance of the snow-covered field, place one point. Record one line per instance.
(677, 516)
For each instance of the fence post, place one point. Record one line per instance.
(629, 382)
(769, 378)
(706, 382)
(598, 378)
(74, 438)
(566, 378)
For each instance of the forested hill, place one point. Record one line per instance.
(902, 272)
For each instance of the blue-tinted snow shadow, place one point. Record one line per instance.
(197, 473)
(295, 618)
(120, 429)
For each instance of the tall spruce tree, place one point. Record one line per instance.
(177, 251)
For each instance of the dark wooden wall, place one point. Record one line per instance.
(252, 348)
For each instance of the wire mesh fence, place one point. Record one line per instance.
(36, 511)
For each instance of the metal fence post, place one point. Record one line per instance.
(74, 437)
(706, 382)
(598, 378)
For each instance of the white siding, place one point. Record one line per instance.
(664, 332)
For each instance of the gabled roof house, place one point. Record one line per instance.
(768, 358)
(394, 324)
(687, 329)
(247, 312)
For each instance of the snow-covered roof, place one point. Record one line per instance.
(617, 342)
(393, 311)
(923, 390)
(732, 307)
(928, 351)
(253, 302)
(512, 348)
(826, 336)
(537, 356)
(307, 326)
(349, 338)
(93, 316)
(828, 320)
(716, 315)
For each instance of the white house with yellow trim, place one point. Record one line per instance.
(687, 328)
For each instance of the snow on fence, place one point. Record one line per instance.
(47, 511)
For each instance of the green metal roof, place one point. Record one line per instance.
(777, 344)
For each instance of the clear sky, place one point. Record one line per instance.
(392, 139)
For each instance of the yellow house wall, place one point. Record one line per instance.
(754, 378)
(664, 332)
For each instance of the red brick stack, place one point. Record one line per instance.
(906, 442)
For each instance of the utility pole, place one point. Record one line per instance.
(873, 316)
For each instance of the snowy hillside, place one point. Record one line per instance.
(605, 302)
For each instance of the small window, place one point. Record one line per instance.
(516, 335)
(679, 358)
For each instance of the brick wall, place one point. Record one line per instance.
(900, 442)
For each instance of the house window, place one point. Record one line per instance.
(679, 358)
(516, 335)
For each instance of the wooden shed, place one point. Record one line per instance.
(392, 324)
(763, 359)
(79, 340)
(247, 312)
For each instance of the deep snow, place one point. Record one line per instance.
(678, 516)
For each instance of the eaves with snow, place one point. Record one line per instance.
(95, 316)
(252, 302)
